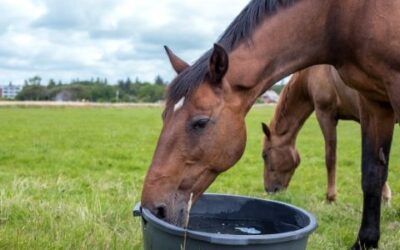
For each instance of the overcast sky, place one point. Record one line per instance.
(115, 39)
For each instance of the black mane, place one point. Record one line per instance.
(238, 31)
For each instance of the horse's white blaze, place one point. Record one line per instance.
(179, 104)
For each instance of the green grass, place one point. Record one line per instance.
(70, 177)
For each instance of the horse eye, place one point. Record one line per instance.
(200, 123)
(264, 156)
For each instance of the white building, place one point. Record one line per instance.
(10, 91)
(270, 97)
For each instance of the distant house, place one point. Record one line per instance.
(270, 97)
(10, 91)
(64, 96)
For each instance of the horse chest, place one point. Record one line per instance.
(360, 81)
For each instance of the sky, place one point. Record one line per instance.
(113, 39)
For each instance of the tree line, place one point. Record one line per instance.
(98, 90)
(93, 90)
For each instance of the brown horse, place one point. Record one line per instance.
(204, 132)
(318, 88)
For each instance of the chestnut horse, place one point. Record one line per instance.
(320, 89)
(204, 131)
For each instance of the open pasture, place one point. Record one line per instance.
(69, 178)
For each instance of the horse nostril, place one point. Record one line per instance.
(161, 211)
(276, 189)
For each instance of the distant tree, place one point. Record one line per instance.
(121, 84)
(95, 90)
(150, 92)
(159, 80)
(278, 88)
(36, 80)
(51, 84)
(33, 92)
(127, 82)
(124, 86)
(137, 81)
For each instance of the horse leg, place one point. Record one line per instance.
(328, 122)
(377, 132)
(394, 94)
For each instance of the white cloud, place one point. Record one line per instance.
(17, 13)
(106, 38)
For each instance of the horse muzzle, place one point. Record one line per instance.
(274, 189)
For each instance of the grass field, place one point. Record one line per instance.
(69, 178)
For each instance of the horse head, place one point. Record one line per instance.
(280, 161)
(203, 135)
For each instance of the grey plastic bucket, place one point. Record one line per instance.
(289, 227)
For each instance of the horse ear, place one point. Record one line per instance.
(266, 130)
(178, 64)
(219, 63)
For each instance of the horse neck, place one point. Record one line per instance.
(292, 39)
(293, 109)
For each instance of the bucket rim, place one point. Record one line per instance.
(232, 239)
